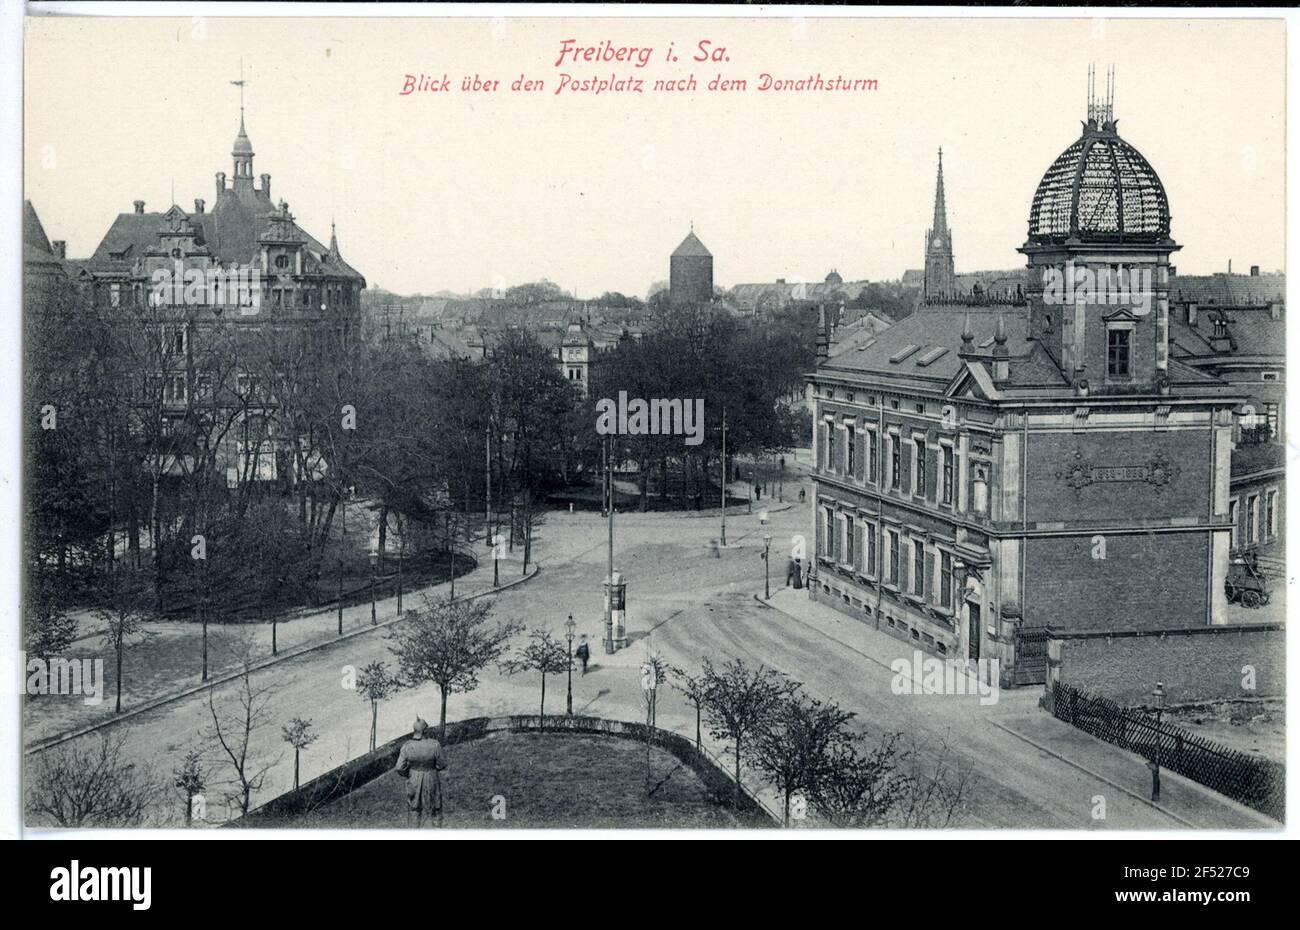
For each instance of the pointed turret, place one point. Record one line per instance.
(940, 278)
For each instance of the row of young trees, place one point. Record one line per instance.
(805, 748)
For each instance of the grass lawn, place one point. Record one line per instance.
(572, 780)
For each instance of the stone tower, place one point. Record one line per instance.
(939, 276)
(690, 272)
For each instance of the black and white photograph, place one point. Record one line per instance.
(682, 421)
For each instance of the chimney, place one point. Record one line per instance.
(1191, 314)
(221, 183)
(823, 342)
(266, 186)
(60, 247)
(1001, 356)
(1254, 271)
(139, 206)
(198, 204)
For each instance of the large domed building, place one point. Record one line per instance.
(1098, 248)
(987, 472)
(1100, 189)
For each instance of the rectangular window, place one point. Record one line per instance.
(1119, 352)
(869, 549)
(895, 462)
(829, 535)
(1232, 518)
(1252, 517)
(115, 295)
(893, 558)
(918, 473)
(830, 446)
(848, 542)
(850, 450)
(1271, 417)
(918, 568)
(945, 579)
(1270, 514)
(870, 453)
(946, 453)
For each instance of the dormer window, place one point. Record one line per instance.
(282, 262)
(1119, 350)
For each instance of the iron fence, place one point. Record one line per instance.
(1257, 783)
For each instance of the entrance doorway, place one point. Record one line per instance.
(973, 648)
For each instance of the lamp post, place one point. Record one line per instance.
(496, 560)
(767, 566)
(1158, 695)
(724, 477)
(374, 561)
(569, 627)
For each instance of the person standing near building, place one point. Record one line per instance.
(419, 762)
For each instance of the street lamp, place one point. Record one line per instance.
(374, 561)
(1158, 695)
(569, 627)
(767, 566)
(496, 557)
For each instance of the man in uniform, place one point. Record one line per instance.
(419, 762)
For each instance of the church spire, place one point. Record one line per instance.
(242, 152)
(940, 209)
(940, 279)
(334, 241)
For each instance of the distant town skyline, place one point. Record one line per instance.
(469, 191)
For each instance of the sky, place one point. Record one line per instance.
(464, 190)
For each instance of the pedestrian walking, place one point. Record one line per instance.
(584, 653)
(801, 494)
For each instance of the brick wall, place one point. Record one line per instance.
(1146, 581)
(1050, 498)
(1194, 665)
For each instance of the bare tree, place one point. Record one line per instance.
(795, 750)
(448, 643)
(74, 785)
(234, 724)
(190, 780)
(375, 683)
(740, 703)
(544, 654)
(298, 734)
(861, 788)
(123, 612)
(693, 687)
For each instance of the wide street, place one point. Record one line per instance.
(688, 603)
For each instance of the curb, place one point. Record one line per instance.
(1165, 773)
(155, 703)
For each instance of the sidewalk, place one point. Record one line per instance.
(167, 662)
(1181, 798)
(1017, 714)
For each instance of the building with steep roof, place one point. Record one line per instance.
(1001, 464)
(211, 281)
(690, 272)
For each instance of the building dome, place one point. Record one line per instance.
(1100, 189)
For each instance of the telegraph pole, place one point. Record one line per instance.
(609, 590)
(724, 476)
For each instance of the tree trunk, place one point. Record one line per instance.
(737, 803)
(543, 711)
(374, 723)
(442, 716)
(295, 769)
(203, 620)
(120, 645)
